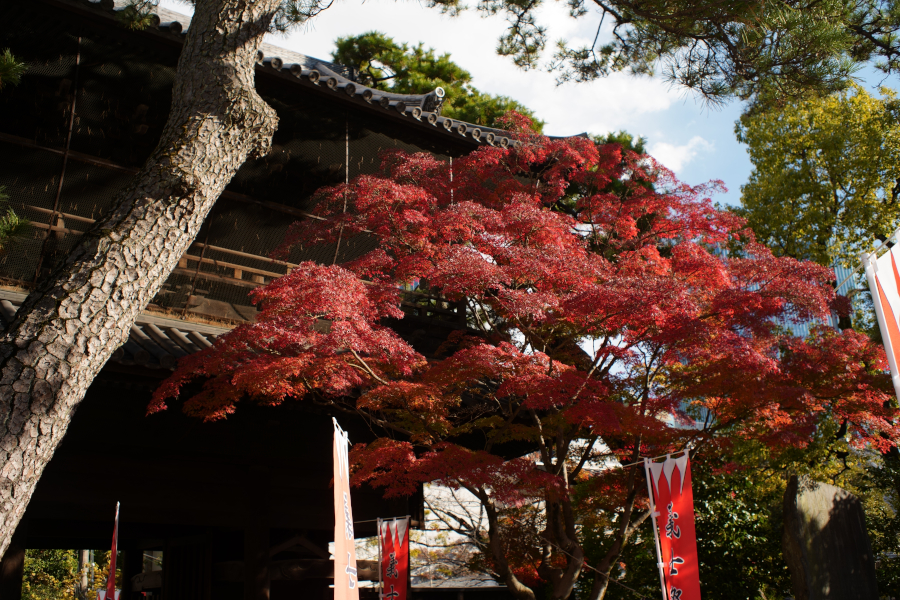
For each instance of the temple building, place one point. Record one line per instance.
(239, 508)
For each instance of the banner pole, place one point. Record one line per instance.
(653, 515)
(408, 556)
(380, 563)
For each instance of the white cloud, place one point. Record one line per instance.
(677, 157)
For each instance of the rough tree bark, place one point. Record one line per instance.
(72, 322)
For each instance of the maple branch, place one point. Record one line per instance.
(485, 327)
(368, 417)
(507, 423)
(594, 365)
(637, 523)
(364, 366)
(441, 514)
(545, 455)
(584, 457)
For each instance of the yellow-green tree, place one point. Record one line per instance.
(54, 575)
(50, 574)
(826, 174)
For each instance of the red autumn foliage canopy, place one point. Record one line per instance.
(604, 300)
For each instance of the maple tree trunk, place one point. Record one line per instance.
(605, 566)
(518, 590)
(69, 326)
(561, 520)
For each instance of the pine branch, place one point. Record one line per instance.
(11, 225)
(11, 70)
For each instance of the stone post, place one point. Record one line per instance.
(825, 543)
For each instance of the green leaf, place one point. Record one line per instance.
(11, 70)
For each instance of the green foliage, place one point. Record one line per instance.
(739, 525)
(11, 70)
(50, 574)
(636, 566)
(738, 540)
(384, 64)
(54, 575)
(136, 14)
(825, 174)
(720, 49)
(11, 225)
(624, 139)
(883, 521)
(100, 570)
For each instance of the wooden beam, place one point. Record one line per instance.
(40, 225)
(294, 570)
(212, 277)
(274, 261)
(228, 265)
(66, 216)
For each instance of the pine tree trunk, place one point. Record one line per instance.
(72, 322)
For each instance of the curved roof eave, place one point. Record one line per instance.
(421, 111)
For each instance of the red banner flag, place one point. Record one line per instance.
(393, 536)
(884, 283)
(673, 501)
(111, 591)
(346, 584)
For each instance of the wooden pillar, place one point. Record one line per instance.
(12, 566)
(168, 583)
(256, 535)
(187, 568)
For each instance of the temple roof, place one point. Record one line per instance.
(309, 72)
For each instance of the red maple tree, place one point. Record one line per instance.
(612, 313)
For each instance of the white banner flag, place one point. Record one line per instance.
(883, 274)
(346, 582)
